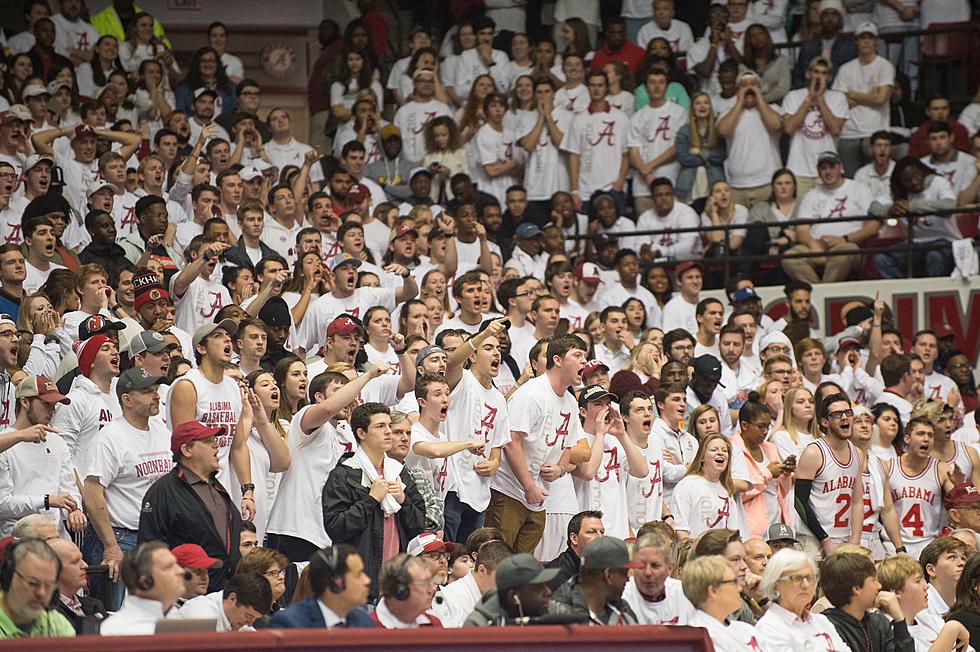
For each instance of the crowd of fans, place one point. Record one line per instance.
(433, 372)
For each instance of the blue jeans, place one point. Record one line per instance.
(112, 593)
(935, 262)
(461, 519)
(633, 26)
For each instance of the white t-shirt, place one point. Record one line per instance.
(575, 100)
(739, 216)
(476, 413)
(937, 385)
(959, 172)
(411, 119)
(313, 328)
(653, 132)
(701, 505)
(609, 487)
(678, 313)
(442, 471)
(127, 461)
(546, 170)
(934, 227)
(36, 278)
(551, 424)
(77, 35)
(812, 137)
(494, 146)
(645, 496)
(679, 35)
(470, 66)
(624, 101)
(878, 184)
(618, 294)
(601, 140)
(200, 303)
(673, 609)
(291, 153)
(853, 76)
(849, 198)
(753, 151)
(30, 470)
(280, 238)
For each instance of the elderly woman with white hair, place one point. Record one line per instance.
(789, 581)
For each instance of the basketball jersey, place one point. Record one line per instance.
(831, 492)
(873, 481)
(960, 464)
(918, 503)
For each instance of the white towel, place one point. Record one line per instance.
(392, 469)
(965, 256)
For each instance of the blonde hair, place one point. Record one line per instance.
(893, 572)
(697, 465)
(692, 126)
(702, 574)
(787, 423)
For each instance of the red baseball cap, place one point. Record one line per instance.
(961, 494)
(401, 230)
(83, 130)
(428, 542)
(686, 265)
(190, 431)
(358, 193)
(191, 555)
(588, 272)
(592, 366)
(341, 326)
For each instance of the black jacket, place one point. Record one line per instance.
(567, 564)
(568, 599)
(886, 635)
(236, 254)
(93, 609)
(173, 513)
(351, 515)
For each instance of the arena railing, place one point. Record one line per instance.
(657, 638)
(727, 258)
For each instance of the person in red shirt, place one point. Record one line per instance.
(377, 25)
(617, 47)
(938, 109)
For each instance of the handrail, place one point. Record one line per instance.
(727, 257)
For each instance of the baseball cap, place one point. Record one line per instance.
(686, 265)
(275, 312)
(422, 71)
(390, 130)
(428, 542)
(858, 314)
(98, 325)
(594, 393)
(775, 337)
(426, 351)
(21, 112)
(527, 230)
(229, 325)
(427, 171)
(743, 294)
(136, 378)
(358, 193)
(832, 4)
(43, 388)
(83, 130)
(588, 272)
(828, 157)
(148, 342)
(34, 159)
(191, 555)
(820, 61)
(960, 494)
(401, 230)
(607, 552)
(341, 326)
(342, 258)
(435, 232)
(34, 90)
(520, 569)
(55, 85)
(190, 431)
(867, 27)
(6, 117)
(592, 366)
(780, 532)
(204, 91)
(706, 365)
(249, 172)
(848, 342)
(96, 186)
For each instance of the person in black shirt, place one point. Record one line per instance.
(582, 529)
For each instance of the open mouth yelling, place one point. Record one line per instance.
(443, 411)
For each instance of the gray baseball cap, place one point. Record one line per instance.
(521, 569)
(426, 351)
(136, 378)
(149, 342)
(607, 552)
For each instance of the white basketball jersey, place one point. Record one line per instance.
(918, 503)
(831, 493)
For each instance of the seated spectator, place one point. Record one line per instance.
(340, 590)
(84, 612)
(712, 49)
(665, 25)
(938, 110)
(407, 587)
(850, 583)
(617, 47)
(521, 591)
(917, 189)
(842, 48)
(597, 591)
(32, 572)
(713, 588)
(877, 174)
(720, 210)
(245, 598)
(655, 597)
(154, 580)
(660, 55)
(583, 528)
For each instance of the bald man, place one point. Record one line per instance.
(83, 612)
(757, 555)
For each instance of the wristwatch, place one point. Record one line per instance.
(248, 487)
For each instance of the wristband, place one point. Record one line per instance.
(666, 516)
(116, 308)
(47, 501)
(901, 549)
(248, 487)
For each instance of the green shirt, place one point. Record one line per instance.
(48, 623)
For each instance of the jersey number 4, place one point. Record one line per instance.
(913, 520)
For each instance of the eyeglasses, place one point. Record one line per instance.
(761, 426)
(7, 175)
(431, 581)
(8, 333)
(683, 347)
(958, 365)
(435, 554)
(275, 573)
(36, 584)
(798, 579)
(782, 372)
(523, 294)
(733, 582)
(840, 414)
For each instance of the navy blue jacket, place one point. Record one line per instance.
(306, 614)
(843, 50)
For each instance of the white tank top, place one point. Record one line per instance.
(960, 463)
(831, 493)
(874, 481)
(918, 502)
(217, 405)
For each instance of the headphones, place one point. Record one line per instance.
(339, 584)
(401, 591)
(144, 580)
(8, 566)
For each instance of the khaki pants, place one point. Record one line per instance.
(522, 528)
(642, 205)
(805, 185)
(838, 268)
(749, 196)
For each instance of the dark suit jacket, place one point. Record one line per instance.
(94, 611)
(843, 50)
(306, 614)
(236, 254)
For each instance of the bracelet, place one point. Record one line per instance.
(470, 342)
(901, 549)
(563, 472)
(47, 501)
(248, 487)
(666, 516)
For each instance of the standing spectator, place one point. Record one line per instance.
(597, 145)
(834, 197)
(154, 581)
(340, 590)
(283, 149)
(830, 44)
(867, 82)
(700, 150)
(189, 505)
(218, 40)
(546, 170)
(665, 26)
(75, 37)
(369, 499)
(680, 311)
(412, 117)
(711, 50)
(205, 72)
(751, 129)
(653, 130)
(773, 68)
(813, 117)
(481, 60)
(877, 175)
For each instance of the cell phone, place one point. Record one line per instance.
(790, 459)
(506, 323)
